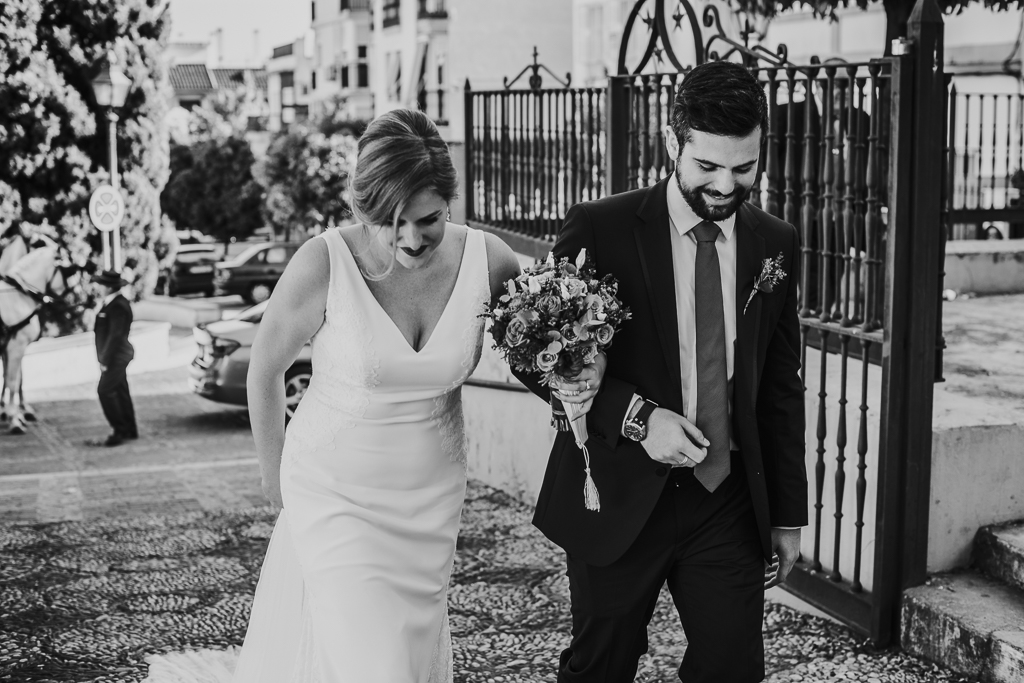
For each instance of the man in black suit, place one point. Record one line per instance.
(114, 352)
(697, 424)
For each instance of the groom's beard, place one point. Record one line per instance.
(694, 196)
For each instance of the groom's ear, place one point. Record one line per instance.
(671, 143)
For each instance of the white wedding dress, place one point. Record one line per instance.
(354, 585)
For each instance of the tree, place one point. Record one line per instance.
(52, 152)
(212, 189)
(897, 12)
(305, 176)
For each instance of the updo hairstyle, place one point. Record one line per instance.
(400, 154)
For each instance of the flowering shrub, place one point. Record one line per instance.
(556, 317)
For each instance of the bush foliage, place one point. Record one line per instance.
(53, 136)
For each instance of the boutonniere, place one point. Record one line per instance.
(771, 275)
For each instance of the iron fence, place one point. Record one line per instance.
(531, 155)
(986, 166)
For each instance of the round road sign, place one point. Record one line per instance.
(106, 208)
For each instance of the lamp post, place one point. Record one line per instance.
(111, 88)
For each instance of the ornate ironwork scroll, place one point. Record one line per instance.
(536, 81)
(750, 54)
(659, 43)
(662, 25)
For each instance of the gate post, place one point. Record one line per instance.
(913, 264)
(468, 145)
(616, 134)
(923, 288)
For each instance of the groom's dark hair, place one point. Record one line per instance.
(720, 98)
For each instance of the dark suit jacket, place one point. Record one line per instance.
(627, 235)
(113, 323)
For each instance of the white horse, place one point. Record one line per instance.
(36, 279)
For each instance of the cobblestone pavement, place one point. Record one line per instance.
(110, 555)
(88, 601)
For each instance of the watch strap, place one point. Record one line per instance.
(645, 411)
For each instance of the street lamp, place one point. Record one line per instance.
(111, 89)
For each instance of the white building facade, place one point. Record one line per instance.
(289, 84)
(342, 37)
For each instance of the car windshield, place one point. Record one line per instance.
(254, 314)
(195, 256)
(247, 254)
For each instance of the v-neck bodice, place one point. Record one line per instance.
(379, 308)
(364, 369)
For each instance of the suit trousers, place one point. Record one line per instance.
(116, 400)
(706, 547)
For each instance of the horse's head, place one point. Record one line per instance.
(66, 269)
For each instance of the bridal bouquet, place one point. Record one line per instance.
(555, 318)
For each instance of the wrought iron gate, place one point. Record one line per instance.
(851, 161)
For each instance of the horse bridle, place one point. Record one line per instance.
(48, 297)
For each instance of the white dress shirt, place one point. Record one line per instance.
(683, 220)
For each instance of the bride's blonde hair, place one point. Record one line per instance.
(400, 154)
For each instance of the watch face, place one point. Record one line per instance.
(634, 431)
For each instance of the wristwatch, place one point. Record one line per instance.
(635, 428)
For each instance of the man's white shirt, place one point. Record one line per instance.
(683, 220)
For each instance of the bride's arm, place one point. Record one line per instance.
(294, 314)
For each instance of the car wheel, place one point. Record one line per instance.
(258, 293)
(296, 381)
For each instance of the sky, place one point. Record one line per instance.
(278, 21)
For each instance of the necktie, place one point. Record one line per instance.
(712, 373)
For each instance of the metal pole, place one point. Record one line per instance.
(115, 234)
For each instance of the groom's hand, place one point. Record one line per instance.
(786, 546)
(674, 440)
(584, 386)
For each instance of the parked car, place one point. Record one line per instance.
(255, 271)
(222, 361)
(192, 270)
(193, 237)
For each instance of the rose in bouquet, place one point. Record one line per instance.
(553, 320)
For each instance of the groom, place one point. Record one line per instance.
(697, 425)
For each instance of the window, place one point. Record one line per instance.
(276, 255)
(391, 12)
(313, 83)
(313, 4)
(344, 76)
(362, 68)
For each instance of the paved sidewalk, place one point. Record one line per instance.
(108, 555)
(192, 454)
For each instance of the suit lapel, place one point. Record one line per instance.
(749, 256)
(654, 245)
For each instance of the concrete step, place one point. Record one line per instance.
(968, 622)
(999, 552)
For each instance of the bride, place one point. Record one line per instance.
(371, 472)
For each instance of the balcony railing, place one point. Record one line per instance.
(433, 9)
(355, 5)
(282, 51)
(392, 13)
